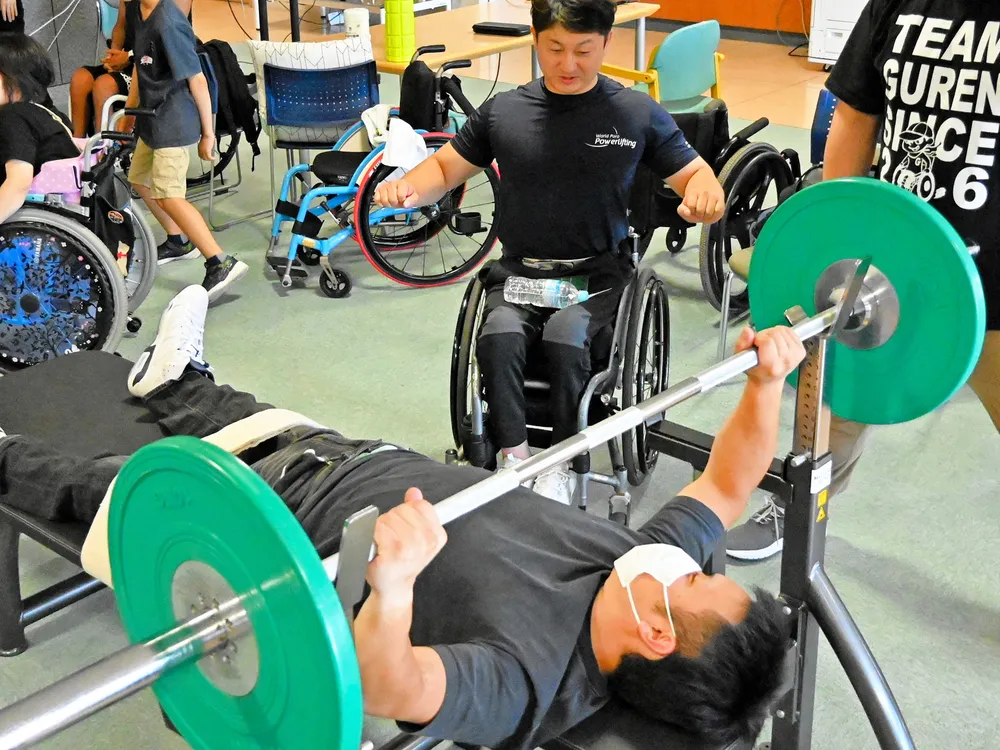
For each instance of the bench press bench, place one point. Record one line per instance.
(80, 404)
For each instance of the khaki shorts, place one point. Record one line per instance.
(162, 170)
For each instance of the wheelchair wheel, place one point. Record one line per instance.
(60, 290)
(646, 367)
(676, 240)
(754, 176)
(463, 352)
(199, 173)
(142, 265)
(439, 244)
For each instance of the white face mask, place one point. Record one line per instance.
(664, 562)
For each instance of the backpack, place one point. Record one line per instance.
(237, 108)
(417, 90)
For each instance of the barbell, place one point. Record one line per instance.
(232, 614)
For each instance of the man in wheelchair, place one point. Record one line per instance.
(533, 614)
(567, 147)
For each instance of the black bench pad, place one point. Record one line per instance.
(618, 727)
(80, 404)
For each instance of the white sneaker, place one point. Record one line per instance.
(510, 461)
(557, 484)
(179, 342)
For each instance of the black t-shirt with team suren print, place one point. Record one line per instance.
(567, 163)
(931, 70)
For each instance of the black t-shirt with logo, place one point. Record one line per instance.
(931, 70)
(567, 163)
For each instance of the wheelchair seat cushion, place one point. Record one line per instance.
(335, 168)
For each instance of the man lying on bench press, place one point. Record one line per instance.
(526, 622)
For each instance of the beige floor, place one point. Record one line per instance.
(759, 80)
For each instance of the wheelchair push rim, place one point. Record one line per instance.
(755, 175)
(463, 353)
(60, 290)
(431, 246)
(646, 368)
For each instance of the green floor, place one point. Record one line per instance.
(910, 545)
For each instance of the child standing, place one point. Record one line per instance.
(168, 79)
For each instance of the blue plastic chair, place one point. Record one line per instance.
(822, 121)
(311, 98)
(315, 98)
(687, 63)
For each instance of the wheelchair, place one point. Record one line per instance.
(76, 261)
(752, 174)
(420, 247)
(630, 364)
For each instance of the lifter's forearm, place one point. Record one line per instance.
(428, 180)
(746, 444)
(390, 672)
(850, 147)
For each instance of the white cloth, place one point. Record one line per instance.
(234, 438)
(376, 120)
(405, 148)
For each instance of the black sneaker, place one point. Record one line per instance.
(170, 251)
(761, 537)
(220, 276)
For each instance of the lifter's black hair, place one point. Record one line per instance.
(724, 693)
(26, 68)
(577, 16)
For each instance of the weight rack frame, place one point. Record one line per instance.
(809, 599)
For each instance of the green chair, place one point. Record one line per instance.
(688, 65)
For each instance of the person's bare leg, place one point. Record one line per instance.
(154, 206)
(191, 223)
(521, 451)
(81, 86)
(104, 88)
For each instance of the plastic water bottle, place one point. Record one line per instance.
(542, 292)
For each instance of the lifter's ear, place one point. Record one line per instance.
(658, 638)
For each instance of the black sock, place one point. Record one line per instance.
(177, 239)
(214, 261)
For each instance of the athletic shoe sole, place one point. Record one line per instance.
(753, 555)
(164, 368)
(238, 272)
(187, 256)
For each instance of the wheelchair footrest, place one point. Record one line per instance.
(280, 262)
(308, 227)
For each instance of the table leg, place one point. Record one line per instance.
(294, 19)
(640, 44)
(536, 71)
(262, 26)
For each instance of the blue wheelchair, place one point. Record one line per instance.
(421, 247)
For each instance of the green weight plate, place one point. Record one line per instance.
(942, 317)
(183, 502)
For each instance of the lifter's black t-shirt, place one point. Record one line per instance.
(931, 69)
(567, 163)
(32, 134)
(507, 601)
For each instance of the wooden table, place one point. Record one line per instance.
(453, 28)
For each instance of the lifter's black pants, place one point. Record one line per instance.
(38, 479)
(509, 330)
